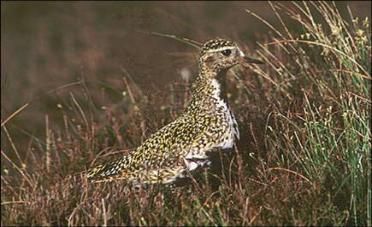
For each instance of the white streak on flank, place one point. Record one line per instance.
(195, 154)
(191, 165)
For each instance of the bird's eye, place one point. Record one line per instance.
(226, 52)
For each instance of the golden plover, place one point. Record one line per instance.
(207, 124)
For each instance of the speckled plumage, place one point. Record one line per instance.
(207, 124)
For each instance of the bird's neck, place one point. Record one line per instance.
(208, 89)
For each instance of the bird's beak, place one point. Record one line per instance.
(245, 59)
(250, 60)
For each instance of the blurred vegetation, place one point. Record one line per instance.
(95, 86)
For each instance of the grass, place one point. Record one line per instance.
(303, 159)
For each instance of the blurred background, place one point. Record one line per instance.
(53, 50)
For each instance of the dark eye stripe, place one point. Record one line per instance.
(226, 52)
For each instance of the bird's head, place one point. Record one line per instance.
(219, 55)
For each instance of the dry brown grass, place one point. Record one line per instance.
(302, 159)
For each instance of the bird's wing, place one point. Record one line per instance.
(178, 146)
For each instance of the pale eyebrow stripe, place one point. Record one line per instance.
(222, 48)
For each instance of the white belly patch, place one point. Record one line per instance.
(193, 164)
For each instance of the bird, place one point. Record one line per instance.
(181, 147)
